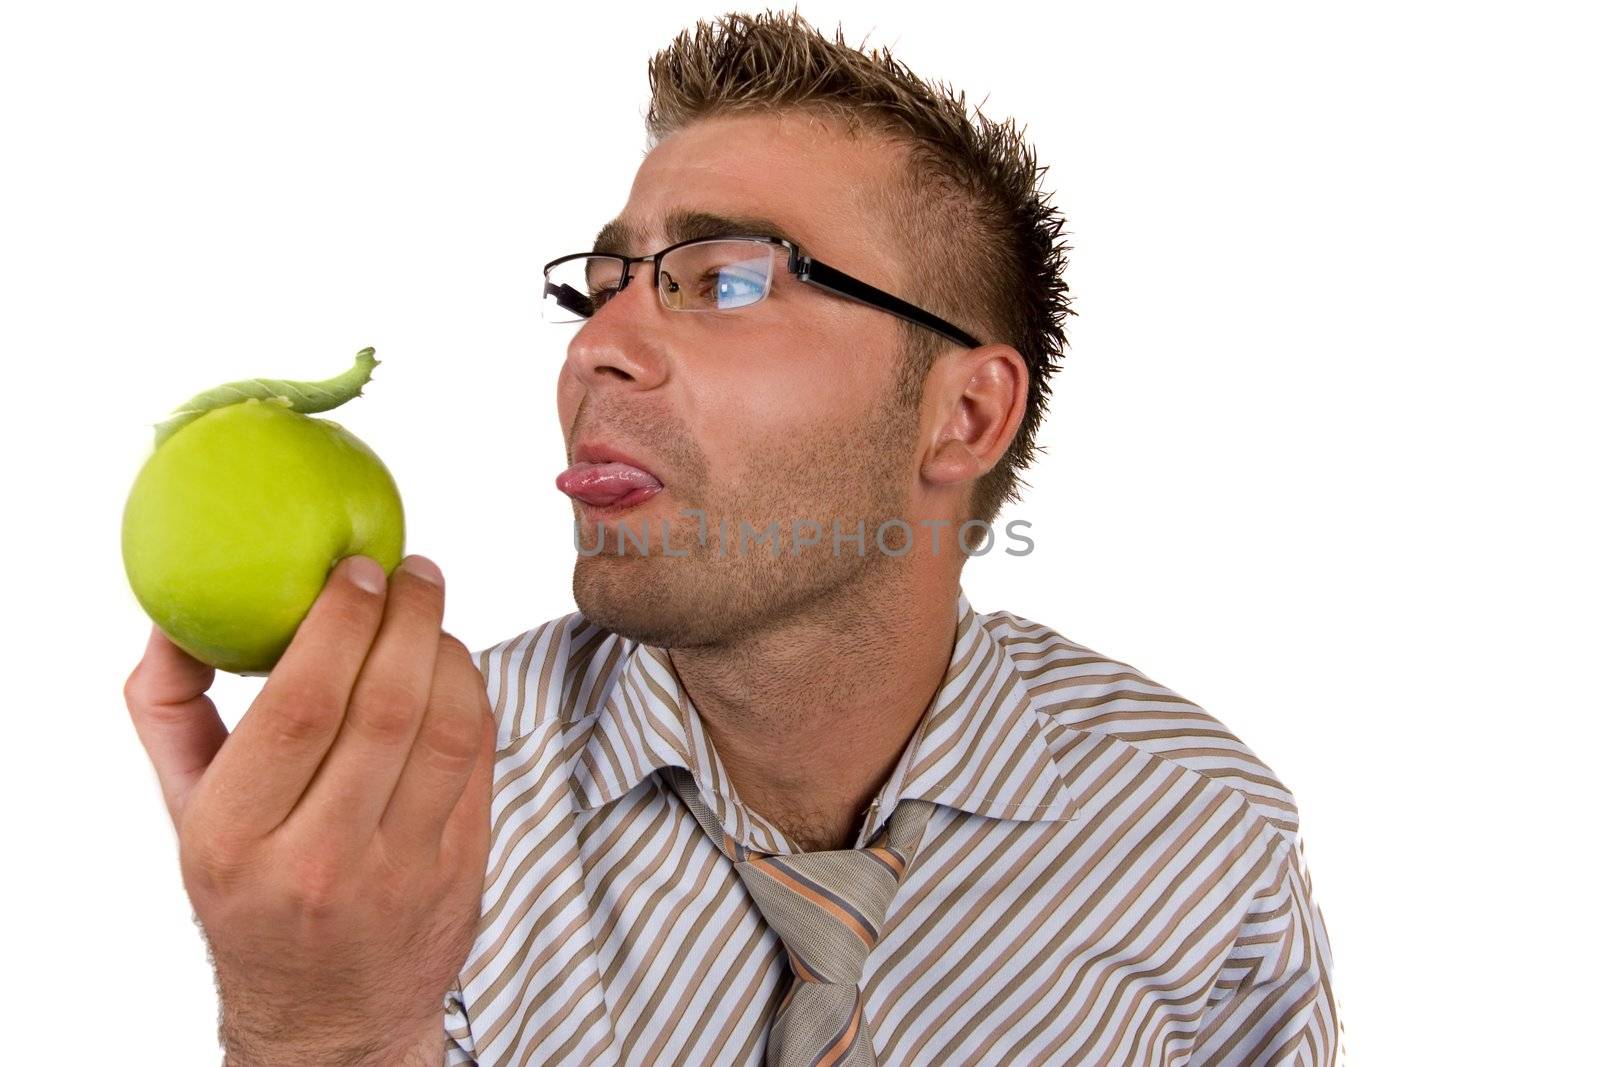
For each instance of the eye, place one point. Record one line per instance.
(730, 285)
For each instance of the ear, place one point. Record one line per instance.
(976, 400)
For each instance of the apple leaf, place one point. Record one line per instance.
(304, 397)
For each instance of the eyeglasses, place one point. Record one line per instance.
(713, 274)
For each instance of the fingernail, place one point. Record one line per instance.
(423, 568)
(367, 573)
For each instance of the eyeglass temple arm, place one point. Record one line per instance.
(820, 274)
(570, 298)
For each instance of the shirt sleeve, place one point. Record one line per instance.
(1273, 1001)
(459, 1050)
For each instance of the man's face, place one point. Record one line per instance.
(778, 411)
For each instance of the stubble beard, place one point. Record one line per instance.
(723, 590)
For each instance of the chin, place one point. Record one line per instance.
(632, 597)
(698, 602)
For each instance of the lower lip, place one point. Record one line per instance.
(633, 499)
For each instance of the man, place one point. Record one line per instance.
(776, 792)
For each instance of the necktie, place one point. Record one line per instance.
(828, 908)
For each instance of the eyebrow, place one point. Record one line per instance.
(619, 237)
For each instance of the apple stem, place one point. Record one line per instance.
(304, 397)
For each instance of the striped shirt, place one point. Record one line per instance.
(1109, 877)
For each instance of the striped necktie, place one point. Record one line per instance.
(828, 908)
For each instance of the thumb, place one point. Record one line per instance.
(176, 722)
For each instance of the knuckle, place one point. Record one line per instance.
(386, 712)
(306, 717)
(316, 882)
(141, 695)
(213, 859)
(453, 733)
(133, 688)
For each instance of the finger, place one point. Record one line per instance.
(464, 847)
(263, 770)
(465, 842)
(447, 753)
(176, 722)
(345, 801)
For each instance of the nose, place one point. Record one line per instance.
(624, 340)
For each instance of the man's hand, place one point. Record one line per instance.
(334, 845)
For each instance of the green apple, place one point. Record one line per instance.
(245, 506)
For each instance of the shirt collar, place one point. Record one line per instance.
(980, 747)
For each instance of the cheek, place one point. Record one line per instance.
(814, 378)
(805, 437)
(778, 408)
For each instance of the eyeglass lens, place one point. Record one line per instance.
(713, 275)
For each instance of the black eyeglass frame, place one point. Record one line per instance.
(805, 268)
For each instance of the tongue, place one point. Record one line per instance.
(603, 484)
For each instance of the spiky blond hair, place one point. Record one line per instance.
(967, 208)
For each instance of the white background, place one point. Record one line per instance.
(1321, 458)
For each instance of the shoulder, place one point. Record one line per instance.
(553, 674)
(1079, 691)
(1276, 980)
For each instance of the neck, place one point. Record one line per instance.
(811, 714)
